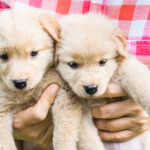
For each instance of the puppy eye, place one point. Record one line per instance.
(4, 56)
(102, 62)
(73, 65)
(34, 53)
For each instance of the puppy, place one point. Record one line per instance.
(27, 39)
(26, 54)
(27, 45)
(92, 52)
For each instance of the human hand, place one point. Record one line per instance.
(34, 124)
(121, 120)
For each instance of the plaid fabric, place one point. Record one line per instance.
(132, 16)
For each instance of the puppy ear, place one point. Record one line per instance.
(119, 38)
(50, 25)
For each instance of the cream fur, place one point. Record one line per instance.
(23, 31)
(73, 125)
(85, 40)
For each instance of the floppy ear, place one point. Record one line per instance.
(119, 39)
(50, 25)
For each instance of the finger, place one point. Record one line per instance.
(30, 133)
(33, 132)
(37, 112)
(117, 136)
(115, 124)
(46, 140)
(141, 125)
(49, 134)
(114, 90)
(116, 109)
(42, 107)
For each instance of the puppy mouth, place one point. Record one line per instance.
(91, 96)
(84, 95)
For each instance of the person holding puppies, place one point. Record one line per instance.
(128, 122)
(118, 121)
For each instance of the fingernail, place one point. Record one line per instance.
(54, 89)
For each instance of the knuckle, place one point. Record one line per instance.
(123, 139)
(141, 122)
(104, 112)
(142, 125)
(39, 115)
(18, 126)
(116, 137)
(144, 128)
(119, 138)
(109, 125)
(137, 109)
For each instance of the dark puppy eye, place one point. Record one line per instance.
(34, 53)
(4, 56)
(102, 62)
(73, 65)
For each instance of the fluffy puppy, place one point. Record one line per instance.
(27, 40)
(91, 53)
(26, 53)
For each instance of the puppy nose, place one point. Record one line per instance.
(90, 89)
(20, 84)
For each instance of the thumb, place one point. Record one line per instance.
(39, 111)
(46, 99)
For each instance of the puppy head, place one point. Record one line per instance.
(87, 51)
(26, 46)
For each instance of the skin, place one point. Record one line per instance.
(122, 120)
(34, 125)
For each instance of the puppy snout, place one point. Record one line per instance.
(20, 84)
(90, 89)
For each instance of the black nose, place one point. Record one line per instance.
(90, 89)
(20, 84)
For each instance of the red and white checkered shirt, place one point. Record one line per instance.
(132, 16)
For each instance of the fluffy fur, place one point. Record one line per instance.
(25, 31)
(92, 52)
(20, 35)
(27, 41)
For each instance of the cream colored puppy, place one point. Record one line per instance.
(26, 52)
(91, 53)
(27, 44)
